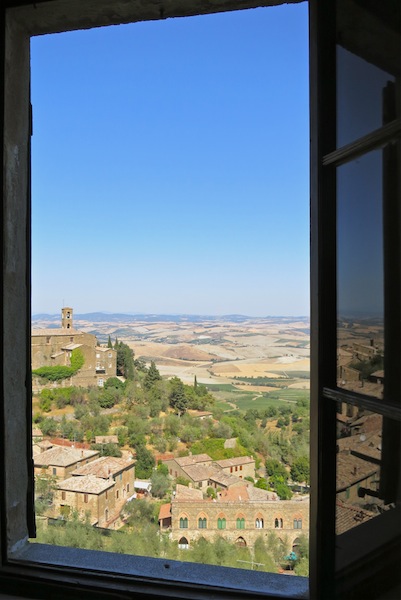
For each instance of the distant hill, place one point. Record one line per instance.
(100, 317)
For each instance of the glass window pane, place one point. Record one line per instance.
(360, 293)
(357, 80)
(367, 449)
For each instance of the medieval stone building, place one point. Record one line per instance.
(54, 347)
(240, 514)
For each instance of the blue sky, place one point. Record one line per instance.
(170, 166)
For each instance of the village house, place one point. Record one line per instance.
(60, 461)
(88, 496)
(118, 470)
(242, 466)
(54, 347)
(202, 472)
(240, 514)
(177, 466)
(98, 489)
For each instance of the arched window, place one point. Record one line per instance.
(278, 523)
(240, 523)
(259, 523)
(221, 523)
(183, 522)
(183, 544)
(202, 523)
(240, 542)
(297, 523)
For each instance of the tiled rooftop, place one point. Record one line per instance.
(62, 457)
(89, 484)
(165, 511)
(104, 467)
(349, 516)
(56, 331)
(185, 461)
(183, 492)
(234, 462)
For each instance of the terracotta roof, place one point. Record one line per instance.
(198, 472)
(364, 445)
(106, 439)
(56, 331)
(234, 462)
(165, 511)
(71, 346)
(185, 461)
(104, 467)
(246, 494)
(352, 469)
(45, 445)
(225, 479)
(349, 516)
(89, 484)
(102, 349)
(62, 457)
(182, 492)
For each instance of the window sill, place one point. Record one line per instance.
(111, 573)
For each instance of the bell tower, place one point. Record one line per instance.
(66, 318)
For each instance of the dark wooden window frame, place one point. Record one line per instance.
(35, 570)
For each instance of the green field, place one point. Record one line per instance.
(228, 397)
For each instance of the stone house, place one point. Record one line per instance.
(239, 514)
(201, 471)
(108, 468)
(241, 466)
(99, 488)
(177, 466)
(54, 347)
(60, 461)
(87, 495)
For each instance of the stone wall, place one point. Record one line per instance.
(287, 518)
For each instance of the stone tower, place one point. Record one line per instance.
(66, 318)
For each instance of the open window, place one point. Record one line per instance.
(355, 268)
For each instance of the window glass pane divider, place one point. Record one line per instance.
(381, 407)
(372, 141)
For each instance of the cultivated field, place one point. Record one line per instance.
(242, 359)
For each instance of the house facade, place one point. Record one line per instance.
(239, 514)
(118, 470)
(88, 496)
(97, 489)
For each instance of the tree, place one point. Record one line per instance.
(282, 489)
(300, 470)
(44, 492)
(109, 344)
(177, 398)
(275, 468)
(151, 377)
(49, 426)
(261, 483)
(160, 484)
(144, 463)
(125, 360)
(114, 382)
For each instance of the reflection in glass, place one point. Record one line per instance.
(360, 295)
(358, 80)
(362, 439)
